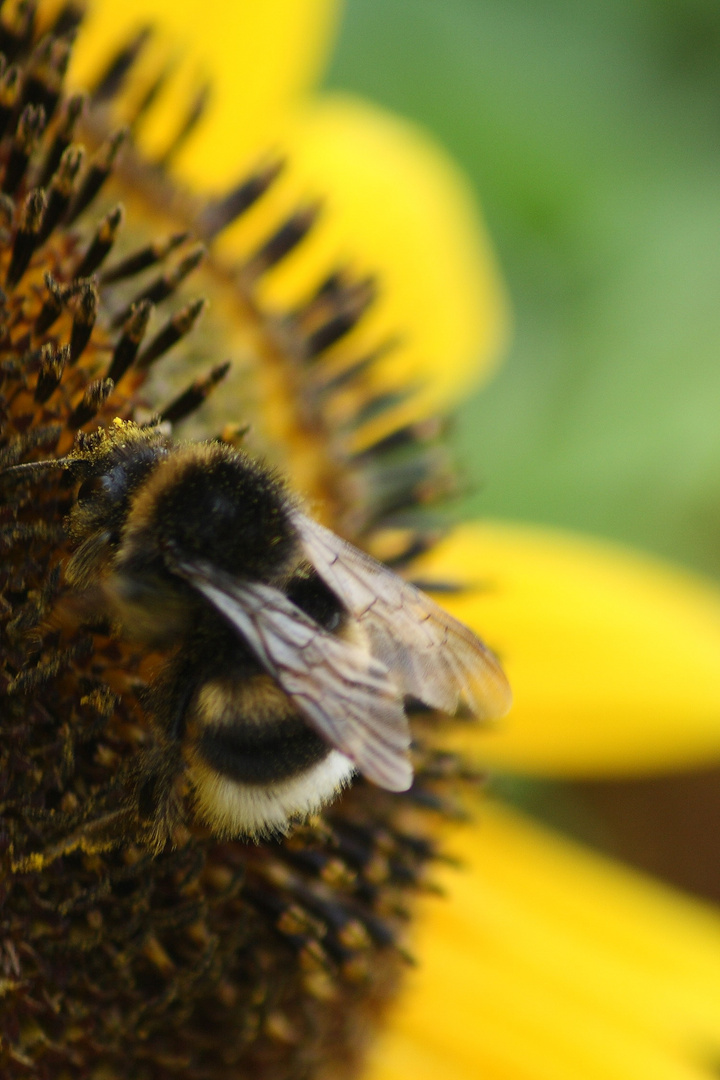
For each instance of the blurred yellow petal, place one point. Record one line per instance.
(395, 205)
(260, 56)
(614, 657)
(546, 962)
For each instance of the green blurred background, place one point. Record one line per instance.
(591, 133)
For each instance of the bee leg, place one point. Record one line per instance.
(159, 790)
(158, 795)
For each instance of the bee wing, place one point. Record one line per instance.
(343, 692)
(433, 656)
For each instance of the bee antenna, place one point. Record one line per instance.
(35, 466)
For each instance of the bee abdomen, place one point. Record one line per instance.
(252, 753)
(254, 764)
(245, 728)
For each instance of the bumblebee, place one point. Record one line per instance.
(290, 652)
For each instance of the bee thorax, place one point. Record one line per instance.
(210, 501)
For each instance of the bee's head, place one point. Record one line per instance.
(110, 465)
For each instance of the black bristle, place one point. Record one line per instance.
(332, 312)
(330, 384)
(101, 242)
(422, 432)
(330, 332)
(222, 213)
(97, 173)
(93, 399)
(356, 845)
(417, 544)
(63, 137)
(376, 406)
(7, 210)
(149, 98)
(16, 28)
(112, 78)
(26, 238)
(45, 72)
(180, 324)
(165, 285)
(144, 258)
(86, 308)
(439, 588)
(52, 305)
(9, 93)
(193, 397)
(191, 120)
(329, 289)
(61, 190)
(67, 20)
(290, 918)
(35, 67)
(408, 480)
(133, 332)
(29, 129)
(282, 242)
(52, 365)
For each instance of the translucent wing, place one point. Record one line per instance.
(431, 655)
(343, 692)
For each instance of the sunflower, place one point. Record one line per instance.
(203, 957)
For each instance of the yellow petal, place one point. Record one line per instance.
(260, 57)
(395, 206)
(545, 962)
(613, 657)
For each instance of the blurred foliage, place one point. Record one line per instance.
(591, 131)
